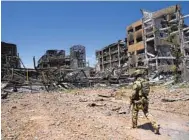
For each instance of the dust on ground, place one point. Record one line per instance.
(83, 114)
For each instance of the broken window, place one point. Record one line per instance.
(114, 48)
(140, 51)
(164, 23)
(150, 47)
(174, 28)
(139, 39)
(115, 57)
(130, 31)
(44, 65)
(100, 66)
(140, 63)
(173, 16)
(138, 27)
(131, 42)
(104, 59)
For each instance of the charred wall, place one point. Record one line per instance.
(77, 56)
(9, 55)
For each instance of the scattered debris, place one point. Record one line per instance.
(99, 99)
(83, 100)
(66, 73)
(57, 112)
(108, 113)
(122, 112)
(14, 107)
(4, 95)
(107, 95)
(116, 108)
(173, 100)
(94, 104)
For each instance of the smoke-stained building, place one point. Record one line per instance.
(77, 57)
(54, 58)
(9, 56)
(57, 58)
(111, 56)
(148, 39)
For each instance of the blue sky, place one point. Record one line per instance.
(37, 26)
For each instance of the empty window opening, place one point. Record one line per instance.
(150, 47)
(140, 51)
(130, 31)
(131, 42)
(138, 27)
(173, 16)
(140, 63)
(139, 39)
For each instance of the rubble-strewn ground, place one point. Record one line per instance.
(72, 116)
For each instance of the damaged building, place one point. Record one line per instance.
(111, 56)
(148, 39)
(77, 56)
(54, 58)
(9, 55)
(150, 44)
(57, 58)
(159, 27)
(135, 44)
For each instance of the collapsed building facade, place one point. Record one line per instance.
(158, 28)
(54, 58)
(13, 72)
(9, 58)
(57, 58)
(9, 55)
(78, 56)
(150, 44)
(148, 40)
(135, 44)
(111, 56)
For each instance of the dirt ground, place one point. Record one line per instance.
(83, 114)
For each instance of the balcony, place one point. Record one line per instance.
(135, 47)
(107, 61)
(113, 52)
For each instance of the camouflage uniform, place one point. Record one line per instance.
(139, 102)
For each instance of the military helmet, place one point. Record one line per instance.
(138, 72)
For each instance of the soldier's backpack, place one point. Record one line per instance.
(145, 89)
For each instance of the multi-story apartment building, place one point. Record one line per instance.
(148, 43)
(135, 43)
(111, 56)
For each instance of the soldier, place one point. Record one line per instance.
(139, 100)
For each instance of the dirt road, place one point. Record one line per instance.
(82, 114)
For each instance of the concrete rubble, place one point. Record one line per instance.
(81, 114)
(150, 46)
(63, 98)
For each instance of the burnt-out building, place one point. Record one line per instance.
(148, 39)
(135, 44)
(77, 56)
(111, 56)
(54, 58)
(9, 56)
(165, 37)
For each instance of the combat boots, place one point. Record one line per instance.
(156, 129)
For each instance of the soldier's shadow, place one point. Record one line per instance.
(146, 126)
